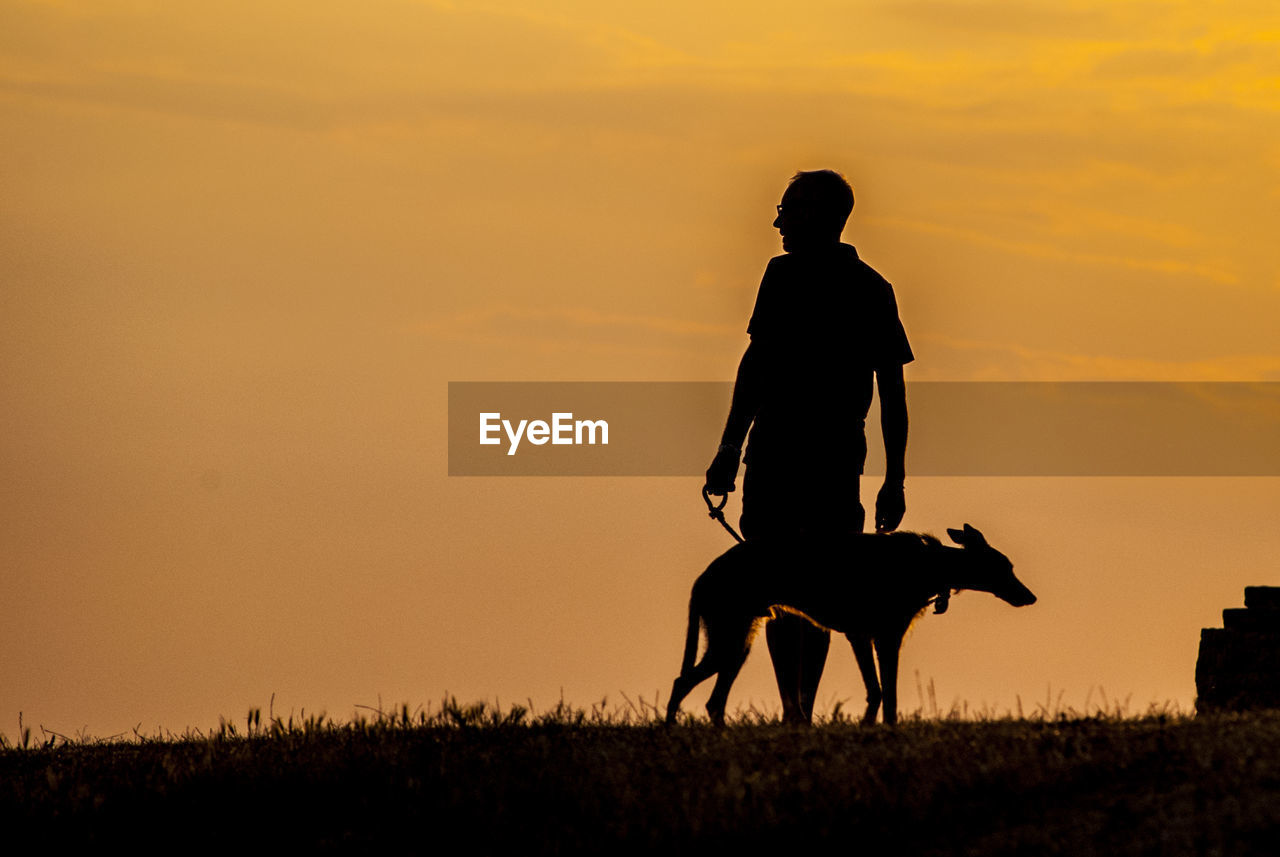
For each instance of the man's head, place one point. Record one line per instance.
(815, 207)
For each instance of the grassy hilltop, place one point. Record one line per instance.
(573, 781)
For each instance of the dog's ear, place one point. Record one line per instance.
(968, 537)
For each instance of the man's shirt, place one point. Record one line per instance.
(824, 321)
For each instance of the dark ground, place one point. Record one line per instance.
(573, 782)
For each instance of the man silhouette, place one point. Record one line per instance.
(825, 329)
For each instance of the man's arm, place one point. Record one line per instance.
(742, 410)
(891, 504)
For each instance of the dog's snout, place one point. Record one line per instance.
(1019, 596)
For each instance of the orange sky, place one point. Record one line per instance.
(243, 251)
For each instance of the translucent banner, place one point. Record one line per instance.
(611, 428)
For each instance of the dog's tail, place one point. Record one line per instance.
(691, 639)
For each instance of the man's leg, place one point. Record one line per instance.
(767, 513)
(772, 506)
(814, 643)
(798, 649)
(791, 644)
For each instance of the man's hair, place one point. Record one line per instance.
(828, 193)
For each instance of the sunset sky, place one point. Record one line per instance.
(244, 247)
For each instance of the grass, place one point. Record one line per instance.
(574, 780)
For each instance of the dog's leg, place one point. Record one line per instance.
(867, 666)
(685, 682)
(720, 693)
(887, 648)
(691, 675)
(729, 647)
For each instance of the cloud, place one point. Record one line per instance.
(974, 360)
(1061, 252)
(1179, 62)
(558, 328)
(986, 18)
(291, 63)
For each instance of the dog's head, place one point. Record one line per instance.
(990, 570)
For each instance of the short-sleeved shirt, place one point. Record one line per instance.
(824, 321)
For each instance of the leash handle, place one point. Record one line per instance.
(717, 512)
(706, 498)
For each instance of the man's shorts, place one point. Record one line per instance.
(786, 501)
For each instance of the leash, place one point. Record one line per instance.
(717, 513)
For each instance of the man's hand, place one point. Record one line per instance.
(723, 470)
(891, 505)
